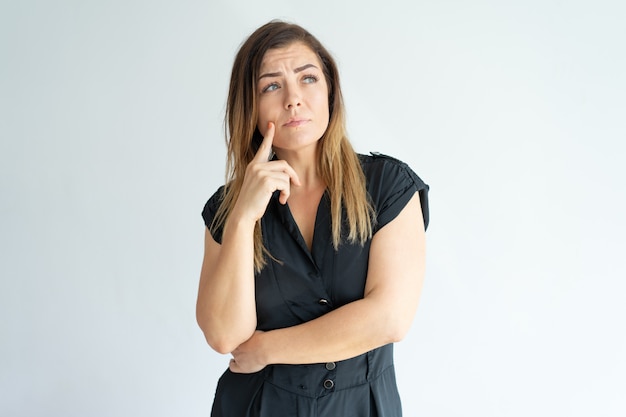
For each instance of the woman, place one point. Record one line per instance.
(314, 255)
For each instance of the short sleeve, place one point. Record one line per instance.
(210, 210)
(391, 183)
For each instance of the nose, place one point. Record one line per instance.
(292, 98)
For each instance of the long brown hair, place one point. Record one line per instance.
(338, 164)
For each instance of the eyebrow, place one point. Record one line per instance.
(297, 70)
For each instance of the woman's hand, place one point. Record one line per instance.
(262, 178)
(247, 358)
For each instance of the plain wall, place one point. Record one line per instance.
(112, 140)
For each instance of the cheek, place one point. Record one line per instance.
(263, 118)
(322, 106)
(267, 112)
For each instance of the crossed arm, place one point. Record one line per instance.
(226, 305)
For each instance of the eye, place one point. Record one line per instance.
(309, 79)
(270, 87)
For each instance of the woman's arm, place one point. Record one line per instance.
(226, 309)
(384, 315)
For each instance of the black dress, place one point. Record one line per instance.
(307, 285)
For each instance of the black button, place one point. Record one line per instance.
(329, 384)
(330, 366)
(323, 301)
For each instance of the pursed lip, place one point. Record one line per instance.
(295, 122)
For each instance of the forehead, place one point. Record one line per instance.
(291, 56)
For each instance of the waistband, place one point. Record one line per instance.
(316, 380)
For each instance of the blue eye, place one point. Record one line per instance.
(309, 79)
(271, 87)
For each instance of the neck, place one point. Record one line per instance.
(304, 162)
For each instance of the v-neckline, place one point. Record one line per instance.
(320, 216)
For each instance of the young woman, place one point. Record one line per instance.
(314, 255)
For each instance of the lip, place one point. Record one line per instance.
(295, 122)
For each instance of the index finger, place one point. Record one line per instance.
(265, 149)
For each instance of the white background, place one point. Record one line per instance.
(112, 140)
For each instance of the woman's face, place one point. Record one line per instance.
(293, 94)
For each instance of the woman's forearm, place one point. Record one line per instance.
(344, 333)
(347, 332)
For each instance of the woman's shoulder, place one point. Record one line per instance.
(212, 206)
(216, 199)
(377, 157)
(381, 169)
(390, 184)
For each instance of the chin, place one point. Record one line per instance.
(295, 142)
(295, 146)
